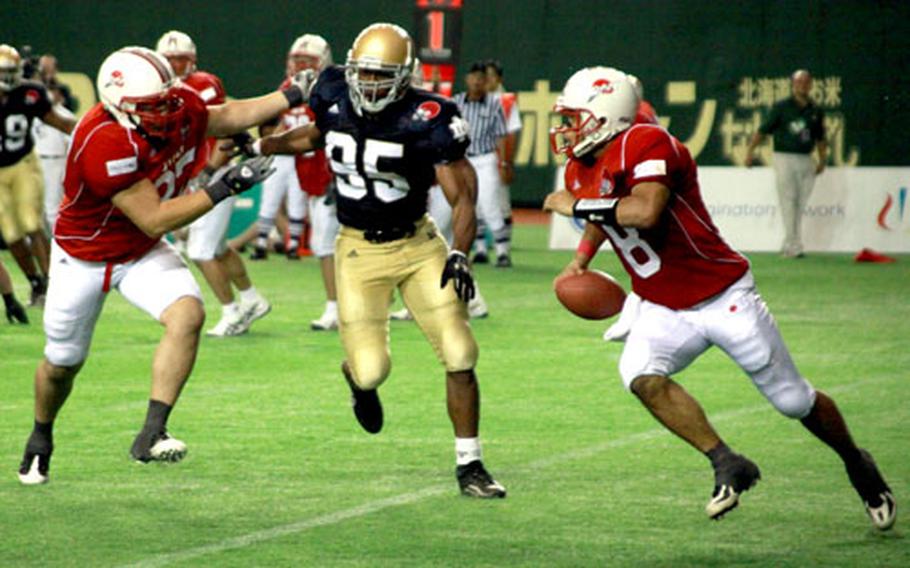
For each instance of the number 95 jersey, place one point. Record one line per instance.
(384, 163)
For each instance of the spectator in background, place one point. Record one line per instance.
(797, 125)
(487, 123)
(645, 113)
(513, 127)
(60, 92)
(51, 144)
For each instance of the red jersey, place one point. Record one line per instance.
(682, 260)
(211, 91)
(313, 171)
(646, 113)
(106, 158)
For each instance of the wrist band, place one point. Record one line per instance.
(596, 210)
(586, 248)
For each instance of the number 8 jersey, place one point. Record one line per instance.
(384, 163)
(682, 260)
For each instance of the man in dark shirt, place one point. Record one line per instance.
(797, 126)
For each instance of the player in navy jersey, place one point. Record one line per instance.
(387, 145)
(21, 183)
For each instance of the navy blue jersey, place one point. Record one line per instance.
(20, 106)
(384, 163)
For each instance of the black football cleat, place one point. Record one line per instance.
(36, 462)
(292, 254)
(259, 253)
(874, 492)
(480, 258)
(366, 405)
(732, 477)
(503, 261)
(475, 481)
(15, 313)
(158, 447)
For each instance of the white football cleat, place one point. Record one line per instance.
(167, 449)
(477, 308)
(884, 515)
(231, 324)
(33, 476)
(327, 322)
(403, 314)
(257, 309)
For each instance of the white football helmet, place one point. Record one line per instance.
(596, 104)
(178, 44)
(10, 68)
(309, 51)
(137, 86)
(384, 53)
(636, 84)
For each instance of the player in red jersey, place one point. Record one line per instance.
(131, 157)
(207, 243)
(305, 179)
(637, 186)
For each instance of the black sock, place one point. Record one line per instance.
(8, 299)
(718, 454)
(35, 282)
(156, 419)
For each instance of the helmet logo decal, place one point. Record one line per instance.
(602, 87)
(427, 111)
(116, 79)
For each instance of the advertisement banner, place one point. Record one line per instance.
(850, 208)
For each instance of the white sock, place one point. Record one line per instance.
(230, 309)
(480, 246)
(249, 295)
(331, 307)
(467, 450)
(502, 248)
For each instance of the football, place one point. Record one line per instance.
(592, 295)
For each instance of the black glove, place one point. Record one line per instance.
(241, 144)
(14, 310)
(240, 178)
(459, 272)
(301, 86)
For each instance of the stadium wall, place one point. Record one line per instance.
(710, 68)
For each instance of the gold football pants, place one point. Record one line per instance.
(21, 198)
(366, 275)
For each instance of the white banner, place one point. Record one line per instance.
(850, 209)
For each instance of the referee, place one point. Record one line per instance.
(487, 122)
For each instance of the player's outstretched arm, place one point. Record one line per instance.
(142, 204)
(295, 141)
(235, 116)
(459, 184)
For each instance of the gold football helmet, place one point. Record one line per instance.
(10, 67)
(379, 67)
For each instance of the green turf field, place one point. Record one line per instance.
(280, 474)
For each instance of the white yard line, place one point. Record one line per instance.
(371, 507)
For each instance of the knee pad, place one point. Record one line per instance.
(459, 351)
(62, 354)
(369, 369)
(789, 393)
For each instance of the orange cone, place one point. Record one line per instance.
(869, 255)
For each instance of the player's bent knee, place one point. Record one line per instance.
(460, 355)
(795, 400)
(369, 370)
(64, 356)
(186, 315)
(647, 387)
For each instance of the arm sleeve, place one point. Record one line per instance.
(650, 155)
(772, 121)
(110, 164)
(448, 138)
(43, 105)
(321, 98)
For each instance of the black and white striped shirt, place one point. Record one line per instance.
(486, 121)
